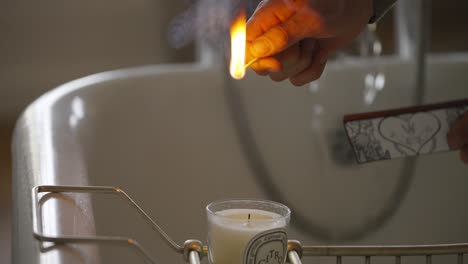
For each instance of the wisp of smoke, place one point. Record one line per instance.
(208, 21)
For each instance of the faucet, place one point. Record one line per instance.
(412, 24)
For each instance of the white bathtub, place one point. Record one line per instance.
(165, 134)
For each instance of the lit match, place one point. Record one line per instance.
(238, 39)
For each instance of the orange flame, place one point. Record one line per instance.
(238, 40)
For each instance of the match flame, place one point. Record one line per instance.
(238, 39)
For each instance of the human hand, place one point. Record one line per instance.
(457, 137)
(293, 38)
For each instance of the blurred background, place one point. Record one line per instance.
(46, 43)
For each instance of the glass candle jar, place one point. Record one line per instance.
(247, 232)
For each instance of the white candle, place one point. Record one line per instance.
(240, 235)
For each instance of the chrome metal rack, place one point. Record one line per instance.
(194, 250)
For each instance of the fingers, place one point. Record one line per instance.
(301, 63)
(288, 59)
(266, 65)
(267, 15)
(457, 137)
(273, 41)
(464, 154)
(263, 66)
(278, 24)
(295, 59)
(313, 72)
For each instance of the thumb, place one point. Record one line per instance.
(279, 36)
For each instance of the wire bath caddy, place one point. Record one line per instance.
(194, 250)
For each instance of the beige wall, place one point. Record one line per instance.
(46, 43)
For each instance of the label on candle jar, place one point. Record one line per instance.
(269, 247)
